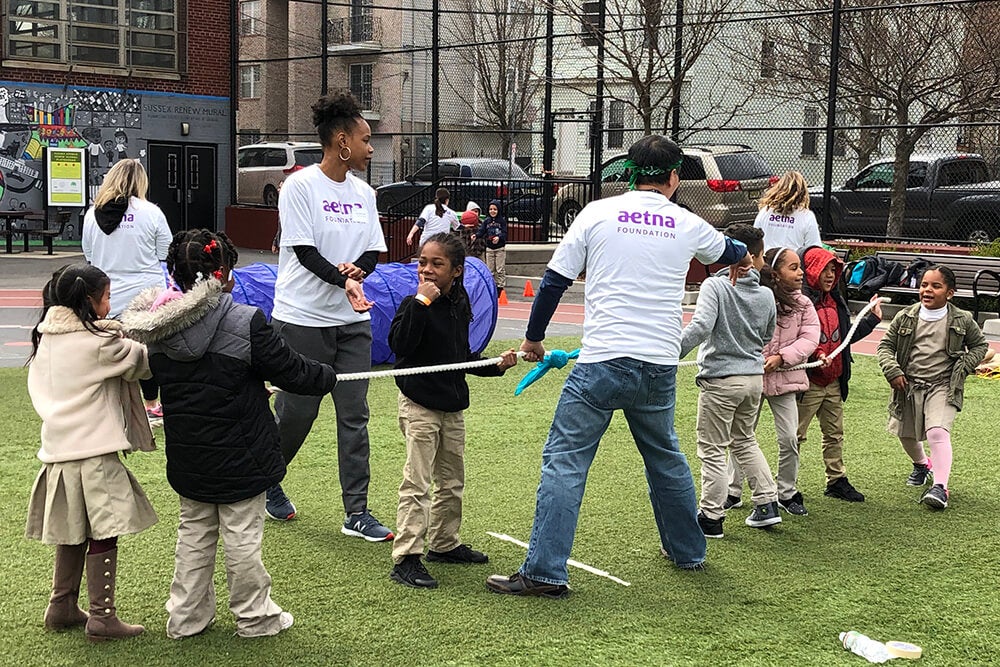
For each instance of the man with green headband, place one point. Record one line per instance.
(635, 249)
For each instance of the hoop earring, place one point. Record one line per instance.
(341, 154)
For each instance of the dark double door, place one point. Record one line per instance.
(182, 182)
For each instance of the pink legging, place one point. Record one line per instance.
(939, 440)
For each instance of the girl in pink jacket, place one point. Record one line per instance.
(795, 338)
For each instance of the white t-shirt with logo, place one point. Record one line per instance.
(131, 254)
(795, 230)
(635, 249)
(338, 219)
(436, 224)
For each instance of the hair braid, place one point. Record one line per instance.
(198, 254)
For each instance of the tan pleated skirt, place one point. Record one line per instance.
(926, 407)
(94, 498)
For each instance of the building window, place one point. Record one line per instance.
(250, 17)
(361, 84)
(809, 133)
(590, 23)
(249, 81)
(767, 59)
(362, 25)
(118, 33)
(814, 54)
(616, 124)
(248, 137)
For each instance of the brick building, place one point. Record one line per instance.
(145, 79)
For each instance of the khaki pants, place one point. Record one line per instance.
(496, 261)
(435, 450)
(829, 406)
(191, 607)
(727, 414)
(785, 411)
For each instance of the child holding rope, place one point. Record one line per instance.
(430, 328)
(732, 323)
(928, 351)
(83, 382)
(210, 357)
(795, 338)
(828, 383)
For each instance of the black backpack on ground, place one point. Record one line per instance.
(868, 275)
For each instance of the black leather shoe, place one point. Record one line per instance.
(518, 584)
(411, 572)
(842, 489)
(461, 554)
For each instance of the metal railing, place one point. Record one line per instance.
(359, 28)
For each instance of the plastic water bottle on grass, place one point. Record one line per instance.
(866, 647)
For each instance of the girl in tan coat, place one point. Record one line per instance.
(82, 381)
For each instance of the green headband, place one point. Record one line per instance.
(636, 171)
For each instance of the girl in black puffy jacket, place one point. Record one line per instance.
(210, 357)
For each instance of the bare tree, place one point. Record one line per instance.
(492, 42)
(640, 45)
(902, 71)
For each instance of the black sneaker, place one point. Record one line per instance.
(793, 505)
(411, 572)
(920, 476)
(840, 488)
(277, 505)
(711, 527)
(936, 497)
(731, 502)
(460, 554)
(764, 516)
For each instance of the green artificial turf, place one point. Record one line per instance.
(888, 567)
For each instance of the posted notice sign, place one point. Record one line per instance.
(67, 181)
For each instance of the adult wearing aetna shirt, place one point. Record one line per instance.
(330, 240)
(785, 216)
(635, 249)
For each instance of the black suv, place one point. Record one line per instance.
(468, 179)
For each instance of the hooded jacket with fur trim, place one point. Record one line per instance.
(210, 357)
(82, 384)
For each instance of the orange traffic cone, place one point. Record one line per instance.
(502, 299)
(528, 290)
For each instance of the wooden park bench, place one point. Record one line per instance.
(977, 278)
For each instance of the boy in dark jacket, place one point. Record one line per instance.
(210, 357)
(494, 230)
(431, 328)
(828, 383)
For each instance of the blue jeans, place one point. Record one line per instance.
(646, 393)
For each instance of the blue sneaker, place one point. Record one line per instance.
(364, 525)
(278, 506)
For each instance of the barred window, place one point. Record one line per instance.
(118, 33)
(361, 84)
(809, 132)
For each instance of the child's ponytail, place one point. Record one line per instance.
(77, 287)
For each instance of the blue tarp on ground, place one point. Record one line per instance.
(387, 286)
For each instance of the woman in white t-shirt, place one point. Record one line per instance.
(127, 237)
(436, 218)
(785, 216)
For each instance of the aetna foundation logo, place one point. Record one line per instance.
(646, 218)
(337, 207)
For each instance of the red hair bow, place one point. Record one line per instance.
(211, 246)
(218, 274)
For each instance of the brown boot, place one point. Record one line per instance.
(103, 623)
(63, 611)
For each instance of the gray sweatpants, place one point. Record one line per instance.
(348, 349)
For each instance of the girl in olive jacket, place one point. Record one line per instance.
(928, 351)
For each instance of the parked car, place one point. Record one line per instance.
(948, 196)
(260, 168)
(720, 183)
(468, 179)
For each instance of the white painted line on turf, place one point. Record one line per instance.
(574, 563)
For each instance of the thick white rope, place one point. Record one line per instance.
(396, 372)
(840, 348)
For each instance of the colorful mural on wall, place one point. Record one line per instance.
(98, 120)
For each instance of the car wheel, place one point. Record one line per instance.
(567, 214)
(270, 196)
(982, 230)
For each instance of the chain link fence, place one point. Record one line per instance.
(891, 111)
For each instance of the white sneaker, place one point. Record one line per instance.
(286, 620)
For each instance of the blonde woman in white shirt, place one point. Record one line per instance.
(127, 237)
(785, 216)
